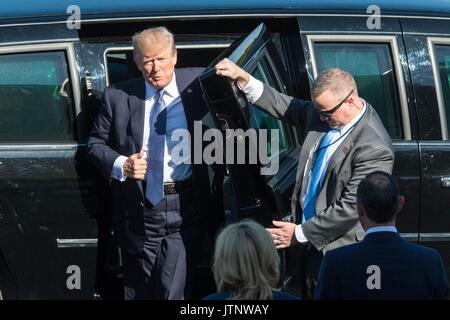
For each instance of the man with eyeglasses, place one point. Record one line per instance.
(345, 141)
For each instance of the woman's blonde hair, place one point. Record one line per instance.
(246, 261)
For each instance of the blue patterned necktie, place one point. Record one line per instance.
(317, 173)
(155, 156)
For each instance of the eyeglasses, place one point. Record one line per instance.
(329, 113)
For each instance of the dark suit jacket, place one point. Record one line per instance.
(365, 149)
(118, 130)
(407, 270)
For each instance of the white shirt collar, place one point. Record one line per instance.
(171, 89)
(382, 229)
(355, 119)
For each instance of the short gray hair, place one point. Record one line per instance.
(338, 81)
(151, 35)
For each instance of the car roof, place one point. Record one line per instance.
(101, 9)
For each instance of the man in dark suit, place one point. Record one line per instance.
(161, 202)
(383, 265)
(345, 141)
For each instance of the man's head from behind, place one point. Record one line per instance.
(155, 55)
(335, 97)
(378, 200)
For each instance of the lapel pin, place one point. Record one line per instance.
(346, 149)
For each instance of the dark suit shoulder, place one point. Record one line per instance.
(185, 76)
(339, 257)
(194, 71)
(422, 251)
(344, 251)
(374, 127)
(282, 295)
(375, 241)
(128, 86)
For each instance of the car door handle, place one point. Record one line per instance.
(445, 182)
(288, 218)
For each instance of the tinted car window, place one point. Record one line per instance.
(35, 99)
(443, 61)
(373, 70)
(261, 120)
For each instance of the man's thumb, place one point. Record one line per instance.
(141, 154)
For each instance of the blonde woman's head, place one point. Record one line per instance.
(246, 261)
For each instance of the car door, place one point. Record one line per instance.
(256, 184)
(259, 185)
(428, 46)
(47, 232)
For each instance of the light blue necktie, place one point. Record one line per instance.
(155, 156)
(317, 173)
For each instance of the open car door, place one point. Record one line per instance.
(261, 152)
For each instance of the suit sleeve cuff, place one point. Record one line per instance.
(299, 235)
(117, 171)
(253, 89)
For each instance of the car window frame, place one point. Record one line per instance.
(432, 41)
(68, 49)
(391, 41)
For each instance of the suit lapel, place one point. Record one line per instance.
(346, 145)
(190, 94)
(342, 152)
(308, 149)
(339, 155)
(136, 103)
(308, 146)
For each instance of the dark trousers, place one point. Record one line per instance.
(164, 269)
(311, 259)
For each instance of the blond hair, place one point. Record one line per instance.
(246, 261)
(338, 81)
(153, 36)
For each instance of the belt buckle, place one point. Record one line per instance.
(169, 188)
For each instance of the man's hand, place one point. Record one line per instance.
(228, 69)
(135, 167)
(283, 235)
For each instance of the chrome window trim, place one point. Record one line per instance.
(410, 236)
(435, 236)
(71, 61)
(105, 62)
(429, 34)
(76, 243)
(405, 143)
(208, 16)
(38, 41)
(437, 143)
(441, 105)
(38, 146)
(178, 46)
(391, 40)
(426, 236)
